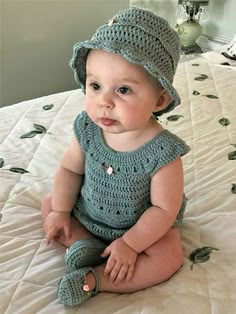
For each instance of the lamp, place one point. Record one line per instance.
(190, 29)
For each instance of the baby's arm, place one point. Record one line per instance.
(68, 178)
(67, 184)
(166, 198)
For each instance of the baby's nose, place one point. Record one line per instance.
(106, 101)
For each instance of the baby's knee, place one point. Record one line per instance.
(178, 258)
(177, 248)
(169, 249)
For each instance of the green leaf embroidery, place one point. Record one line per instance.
(233, 189)
(18, 170)
(199, 79)
(202, 77)
(48, 107)
(196, 93)
(31, 134)
(225, 63)
(224, 121)
(39, 127)
(0, 216)
(1, 162)
(212, 96)
(195, 65)
(234, 145)
(201, 255)
(232, 155)
(13, 169)
(174, 117)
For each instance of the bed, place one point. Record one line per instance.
(33, 137)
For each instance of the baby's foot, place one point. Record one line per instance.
(85, 252)
(74, 288)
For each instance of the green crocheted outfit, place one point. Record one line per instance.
(116, 187)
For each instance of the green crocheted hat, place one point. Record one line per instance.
(142, 38)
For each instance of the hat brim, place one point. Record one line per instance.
(78, 64)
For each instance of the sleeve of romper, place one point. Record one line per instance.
(81, 130)
(170, 149)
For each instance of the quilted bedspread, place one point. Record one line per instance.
(33, 136)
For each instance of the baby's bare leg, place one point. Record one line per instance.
(157, 264)
(78, 231)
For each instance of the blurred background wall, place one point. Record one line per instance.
(37, 37)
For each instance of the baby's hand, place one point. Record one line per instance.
(121, 262)
(56, 222)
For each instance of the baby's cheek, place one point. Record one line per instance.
(90, 109)
(129, 115)
(133, 118)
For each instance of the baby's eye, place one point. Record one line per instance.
(124, 90)
(95, 86)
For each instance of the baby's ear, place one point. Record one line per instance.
(164, 99)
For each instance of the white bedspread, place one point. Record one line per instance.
(30, 270)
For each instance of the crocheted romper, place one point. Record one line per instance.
(111, 203)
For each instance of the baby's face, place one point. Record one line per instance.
(120, 96)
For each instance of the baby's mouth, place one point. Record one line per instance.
(107, 121)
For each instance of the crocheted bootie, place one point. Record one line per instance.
(85, 252)
(72, 287)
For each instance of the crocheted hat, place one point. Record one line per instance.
(142, 38)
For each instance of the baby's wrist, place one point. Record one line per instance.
(128, 245)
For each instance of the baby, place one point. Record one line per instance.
(118, 192)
